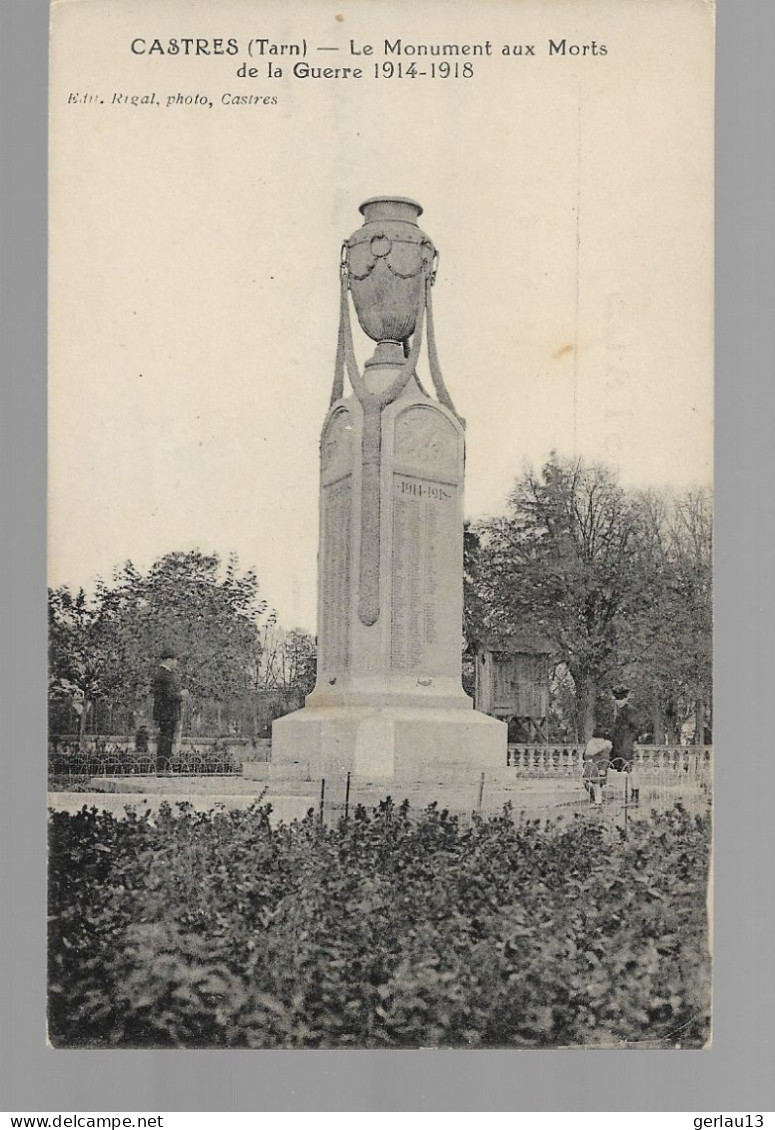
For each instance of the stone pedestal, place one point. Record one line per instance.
(388, 703)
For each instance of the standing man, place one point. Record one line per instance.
(167, 698)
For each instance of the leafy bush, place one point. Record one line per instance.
(393, 929)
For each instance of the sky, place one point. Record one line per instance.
(194, 261)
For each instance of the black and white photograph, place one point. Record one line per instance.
(380, 525)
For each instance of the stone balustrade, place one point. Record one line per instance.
(552, 760)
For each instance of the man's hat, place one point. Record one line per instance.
(168, 652)
(620, 692)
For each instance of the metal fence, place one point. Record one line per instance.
(112, 760)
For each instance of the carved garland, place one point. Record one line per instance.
(373, 404)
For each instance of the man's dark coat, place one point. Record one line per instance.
(167, 697)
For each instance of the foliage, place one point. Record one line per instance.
(671, 636)
(286, 660)
(616, 582)
(83, 646)
(562, 563)
(107, 646)
(393, 929)
(210, 615)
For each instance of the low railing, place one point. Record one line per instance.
(108, 760)
(567, 760)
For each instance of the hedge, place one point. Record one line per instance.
(394, 929)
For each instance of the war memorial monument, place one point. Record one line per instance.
(389, 703)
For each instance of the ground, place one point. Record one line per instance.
(536, 797)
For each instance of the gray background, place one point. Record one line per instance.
(735, 1075)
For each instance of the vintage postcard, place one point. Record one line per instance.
(380, 524)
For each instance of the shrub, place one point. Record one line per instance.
(393, 929)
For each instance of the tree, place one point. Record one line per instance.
(617, 582)
(563, 563)
(287, 661)
(209, 613)
(83, 647)
(671, 657)
(475, 607)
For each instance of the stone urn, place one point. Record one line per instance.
(387, 262)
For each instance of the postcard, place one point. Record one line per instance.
(380, 524)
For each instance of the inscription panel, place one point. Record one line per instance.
(426, 614)
(334, 576)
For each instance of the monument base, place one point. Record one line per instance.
(387, 743)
